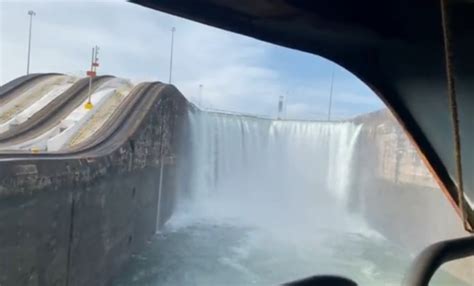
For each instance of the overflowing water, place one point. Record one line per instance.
(265, 202)
(270, 173)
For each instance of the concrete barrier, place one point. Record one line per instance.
(74, 219)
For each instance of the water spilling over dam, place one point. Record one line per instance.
(254, 164)
(265, 202)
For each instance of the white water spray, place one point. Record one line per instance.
(266, 202)
(268, 172)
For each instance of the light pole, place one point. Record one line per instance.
(171, 53)
(280, 107)
(31, 13)
(200, 96)
(330, 95)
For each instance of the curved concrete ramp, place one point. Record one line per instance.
(18, 83)
(50, 115)
(101, 114)
(73, 218)
(24, 103)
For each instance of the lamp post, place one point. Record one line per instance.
(31, 13)
(280, 107)
(330, 95)
(200, 96)
(171, 53)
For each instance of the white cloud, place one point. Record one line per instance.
(135, 44)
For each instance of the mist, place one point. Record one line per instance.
(269, 173)
(264, 202)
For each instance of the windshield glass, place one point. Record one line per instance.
(287, 165)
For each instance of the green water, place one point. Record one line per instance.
(220, 254)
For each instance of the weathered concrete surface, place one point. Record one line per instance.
(73, 220)
(398, 195)
(10, 89)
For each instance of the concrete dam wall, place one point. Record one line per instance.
(73, 218)
(74, 215)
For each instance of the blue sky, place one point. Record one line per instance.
(238, 73)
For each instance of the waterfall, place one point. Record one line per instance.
(255, 167)
(263, 202)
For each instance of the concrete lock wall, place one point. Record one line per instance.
(74, 220)
(394, 189)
